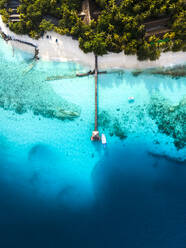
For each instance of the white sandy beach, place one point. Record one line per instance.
(67, 49)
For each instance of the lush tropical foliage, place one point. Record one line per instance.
(119, 27)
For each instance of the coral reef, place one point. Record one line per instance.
(170, 119)
(174, 72)
(178, 160)
(113, 125)
(118, 131)
(104, 120)
(32, 93)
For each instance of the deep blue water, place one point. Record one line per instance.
(57, 189)
(139, 202)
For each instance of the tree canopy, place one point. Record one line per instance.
(120, 25)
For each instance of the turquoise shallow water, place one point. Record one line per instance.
(58, 188)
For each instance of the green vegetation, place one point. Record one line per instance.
(119, 27)
(3, 10)
(3, 3)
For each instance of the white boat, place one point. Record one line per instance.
(103, 139)
(131, 99)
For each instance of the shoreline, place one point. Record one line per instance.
(63, 48)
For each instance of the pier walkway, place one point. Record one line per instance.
(95, 134)
(96, 93)
(9, 38)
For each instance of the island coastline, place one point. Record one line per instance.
(55, 47)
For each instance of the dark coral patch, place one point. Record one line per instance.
(106, 122)
(171, 120)
(174, 72)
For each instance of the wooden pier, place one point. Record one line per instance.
(95, 134)
(89, 73)
(9, 38)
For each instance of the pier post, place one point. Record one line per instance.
(36, 55)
